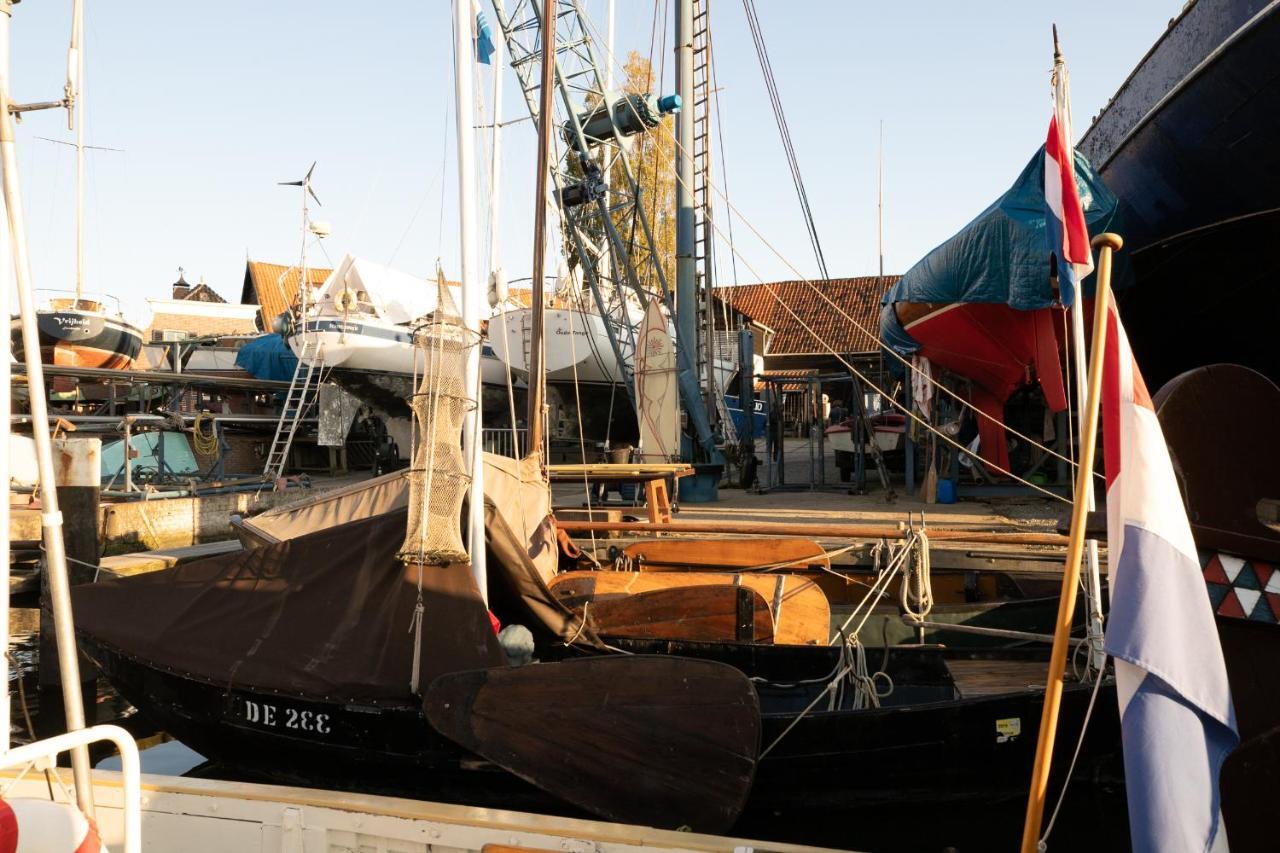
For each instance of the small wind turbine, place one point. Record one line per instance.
(305, 183)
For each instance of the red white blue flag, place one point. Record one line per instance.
(1176, 716)
(1065, 227)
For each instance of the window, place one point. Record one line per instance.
(169, 335)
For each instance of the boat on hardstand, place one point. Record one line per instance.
(1190, 145)
(82, 332)
(983, 304)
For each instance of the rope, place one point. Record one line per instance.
(1043, 844)
(873, 335)
(205, 445)
(917, 603)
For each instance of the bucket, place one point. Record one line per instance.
(946, 491)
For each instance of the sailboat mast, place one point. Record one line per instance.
(75, 64)
(686, 301)
(880, 202)
(546, 114)
(473, 290)
(51, 517)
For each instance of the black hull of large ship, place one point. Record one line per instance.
(73, 338)
(1191, 146)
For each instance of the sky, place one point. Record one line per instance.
(210, 105)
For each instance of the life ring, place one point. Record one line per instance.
(43, 826)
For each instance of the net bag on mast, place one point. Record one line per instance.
(438, 479)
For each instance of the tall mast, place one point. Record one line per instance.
(495, 166)
(75, 71)
(473, 289)
(546, 115)
(51, 517)
(686, 301)
(880, 202)
(1093, 575)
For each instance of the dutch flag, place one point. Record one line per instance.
(1176, 716)
(1064, 223)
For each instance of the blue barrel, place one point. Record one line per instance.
(946, 491)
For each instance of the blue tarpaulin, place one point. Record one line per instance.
(268, 357)
(1002, 255)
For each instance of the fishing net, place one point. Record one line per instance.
(438, 477)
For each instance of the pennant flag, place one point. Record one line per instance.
(1065, 227)
(484, 39)
(1176, 716)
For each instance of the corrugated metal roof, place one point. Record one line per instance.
(858, 298)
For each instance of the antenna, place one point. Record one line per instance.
(304, 282)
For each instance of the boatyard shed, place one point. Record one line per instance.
(807, 320)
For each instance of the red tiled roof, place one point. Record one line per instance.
(858, 299)
(275, 287)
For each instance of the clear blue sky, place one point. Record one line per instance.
(213, 104)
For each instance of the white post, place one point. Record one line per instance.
(77, 92)
(495, 162)
(51, 518)
(6, 409)
(608, 46)
(473, 291)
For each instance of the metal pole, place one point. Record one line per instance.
(6, 408)
(546, 108)
(880, 202)
(473, 289)
(686, 301)
(76, 93)
(495, 164)
(1107, 243)
(51, 518)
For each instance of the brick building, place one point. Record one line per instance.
(196, 312)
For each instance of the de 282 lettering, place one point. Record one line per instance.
(266, 714)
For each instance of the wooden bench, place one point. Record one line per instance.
(653, 475)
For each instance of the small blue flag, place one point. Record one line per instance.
(484, 39)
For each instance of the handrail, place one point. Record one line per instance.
(130, 768)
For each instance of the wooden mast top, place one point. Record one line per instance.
(537, 378)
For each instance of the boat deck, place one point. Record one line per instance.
(992, 677)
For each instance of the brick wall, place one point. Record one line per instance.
(198, 326)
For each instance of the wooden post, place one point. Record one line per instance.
(78, 478)
(1105, 244)
(546, 115)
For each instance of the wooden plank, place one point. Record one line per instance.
(801, 613)
(816, 531)
(663, 555)
(658, 740)
(711, 614)
(123, 565)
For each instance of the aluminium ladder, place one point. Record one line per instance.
(298, 400)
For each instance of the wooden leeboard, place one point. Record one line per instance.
(657, 387)
(663, 741)
(666, 555)
(709, 614)
(801, 613)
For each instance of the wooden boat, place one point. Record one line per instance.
(1188, 143)
(82, 333)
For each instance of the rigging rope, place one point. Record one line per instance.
(873, 335)
(784, 130)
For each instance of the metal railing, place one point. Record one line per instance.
(505, 442)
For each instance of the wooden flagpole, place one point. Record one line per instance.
(1105, 244)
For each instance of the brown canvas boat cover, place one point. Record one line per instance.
(327, 615)
(515, 487)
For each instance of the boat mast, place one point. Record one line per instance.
(1093, 576)
(75, 92)
(473, 290)
(880, 203)
(546, 115)
(51, 517)
(497, 285)
(686, 297)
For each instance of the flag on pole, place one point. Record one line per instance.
(1065, 227)
(1176, 716)
(484, 39)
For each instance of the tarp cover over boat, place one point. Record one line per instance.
(982, 304)
(267, 357)
(1002, 256)
(398, 296)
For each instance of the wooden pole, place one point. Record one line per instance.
(546, 109)
(828, 531)
(1105, 244)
